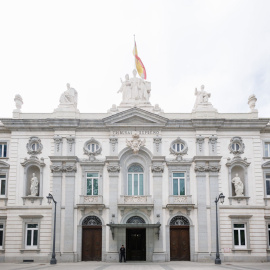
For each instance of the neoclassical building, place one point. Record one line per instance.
(135, 176)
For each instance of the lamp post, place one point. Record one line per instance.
(50, 199)
(221, 197)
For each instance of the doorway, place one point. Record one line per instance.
(91, 243)
(136, 244)
(179, 243)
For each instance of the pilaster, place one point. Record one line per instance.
(206, 166)
(157, 171)
(113, 171)
(67, 165)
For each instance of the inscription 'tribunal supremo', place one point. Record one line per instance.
(140, 132)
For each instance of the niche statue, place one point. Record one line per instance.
(34, 186)
(238, 185)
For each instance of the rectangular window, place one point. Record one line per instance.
(179, 184)
(3, 149)
(92, 183)
(135, 184)
(267, 183)
(1, 235)
(267, 149)
(239, 232)
(31, 236)
(3, 180)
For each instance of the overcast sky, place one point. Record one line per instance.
(183, 44)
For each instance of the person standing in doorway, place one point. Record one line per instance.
(122, 254)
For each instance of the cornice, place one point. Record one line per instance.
(244, 124)
(207, 158)
(63, 158)
(152, 121)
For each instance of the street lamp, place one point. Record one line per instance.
(221, 197)
(50, 199)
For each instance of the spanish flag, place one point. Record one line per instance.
(139, 64)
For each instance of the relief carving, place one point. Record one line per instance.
(57, 140)
(180, 199)
(200, 141)
(113, 142)
(157, 142)
(135, 199)
(91, 199)
(70, 141)
(207, 168)
(135, 144)
(213, 142)
(113, 168)
(157, 168)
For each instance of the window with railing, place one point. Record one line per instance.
(92, 183)
(135, 180)
(179, 183)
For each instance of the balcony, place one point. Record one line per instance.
(88, 201)
(135, 202)
(182, 201)
(145, 199)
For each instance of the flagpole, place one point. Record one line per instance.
(134, 53)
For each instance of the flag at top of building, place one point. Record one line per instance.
(138, 62)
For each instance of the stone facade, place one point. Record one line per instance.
(135, 168)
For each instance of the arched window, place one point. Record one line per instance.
(136, 220)
(135, 180)
(179, 220)
(91, 221)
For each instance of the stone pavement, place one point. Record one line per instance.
(135, 266)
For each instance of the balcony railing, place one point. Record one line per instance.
(182, 199)
(144, 199)
(91, 199)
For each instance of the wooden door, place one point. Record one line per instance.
(179, 243)
(136, 245)
(91, 243)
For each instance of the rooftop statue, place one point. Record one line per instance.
(135, 90)
(202, 103)
(18, 102)
(69, 97)
(68, 101)
(202, 96)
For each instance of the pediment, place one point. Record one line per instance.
(266, 165)
(135, 117)
(4, 165)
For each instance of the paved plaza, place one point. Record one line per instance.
(135, 266)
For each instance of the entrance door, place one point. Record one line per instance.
(91, 243)
(179, 242)
(136, 245)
